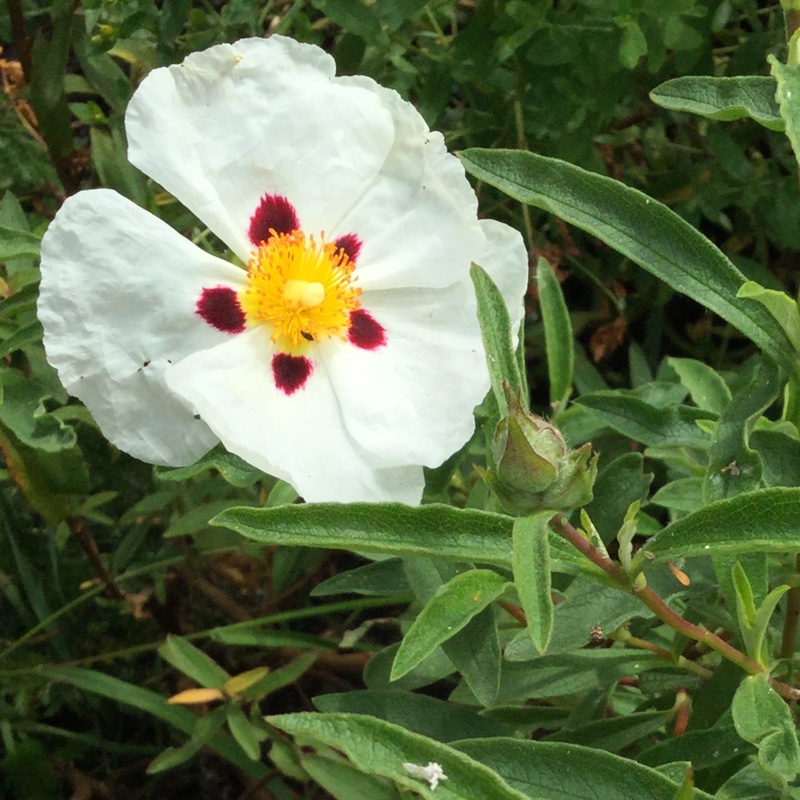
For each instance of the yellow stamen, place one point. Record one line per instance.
(303, 289)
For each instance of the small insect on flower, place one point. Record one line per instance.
(347, 355)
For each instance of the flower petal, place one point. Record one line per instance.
(299, 437)
(237, 121)
(505, 259)
(117, 301)
(418, 218)
(412, 399)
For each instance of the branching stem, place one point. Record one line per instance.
(662, 610)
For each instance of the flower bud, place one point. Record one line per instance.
(534, 468)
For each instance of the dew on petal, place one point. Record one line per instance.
(351, 245)
(219, 307)
(365, 331)
(290, 372)
(274, 213)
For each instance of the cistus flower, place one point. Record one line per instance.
(347, 355)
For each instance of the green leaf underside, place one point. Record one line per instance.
(642, 422)
(433, 530)
(725, 99)
(554, 771)
(767, 521)
(419, 713)
(640, 228)
(559, 341)
(532, 576)
(496, 329)
(446, 613)
(380, 748)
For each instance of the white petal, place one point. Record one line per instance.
(239, 120)
(412, 400)
(117, 302)
(300, 438)
(505, 259)
(418, 219)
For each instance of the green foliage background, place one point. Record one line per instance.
(116, 592)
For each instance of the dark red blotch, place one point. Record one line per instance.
(219, 307)
(351, 245)
(290, 372)
(365, 331)
(274, 212)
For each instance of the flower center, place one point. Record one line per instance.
(303, 289)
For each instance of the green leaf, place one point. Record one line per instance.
(567, 674)
(683, 494)
(380, 578)
(779, 304)
(616, 733)
(434, 530)
(554, 771)
(204, 729)
(23, 411)
(749, 784)
(788, 97)
(733, 467)
(277, 679)
(704, 384)
(496, 329)
(531, 561)
(233, 469)
(723, 99)
(621, 482)
(585, 605)
(474, 651)
(186, 658)
(152, 703)
(18, 244)
(633, 45)
(645, 423)
(766, 521)
(448, 611)
(640, 228)
(763, 718)
(558, 338)
(354, 16)
(343, 782)
(703, 748)
(780, 455)
(245, 732)
(379, 748)
(414, 712)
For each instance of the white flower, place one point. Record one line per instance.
(433, 773)
(348, 355)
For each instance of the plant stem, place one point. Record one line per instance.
(85, 537)
(662, 610)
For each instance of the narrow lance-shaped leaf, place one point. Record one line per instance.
(558, 338)
(447, 612)
(766, 521)
(184, 656)
(433, 530)
(788, 97)
(496, 329)
(380, 748)
(532, 575)
(640, 228)
(723, 99)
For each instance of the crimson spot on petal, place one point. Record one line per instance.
(291, 372)
(365, 331)
(220, 308)
(351, 245)
(274, 212)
